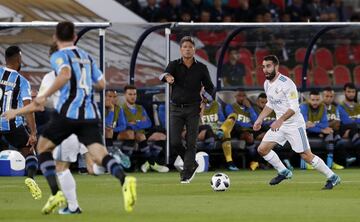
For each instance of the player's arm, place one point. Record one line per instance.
(121, 122)
(292, 96)
(264, 113)
(259, 121)
(100, 85)
(12, 113)
(145, 123)
(344, 116)
(30, 120)
(167, 76)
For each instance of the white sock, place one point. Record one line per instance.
(275, 161)
(68, 187)
(320, 166)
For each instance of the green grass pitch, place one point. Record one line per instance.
(161, 198)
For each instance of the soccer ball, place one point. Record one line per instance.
(220, 182)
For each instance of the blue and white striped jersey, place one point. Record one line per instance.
(76, 99)
(14, 89)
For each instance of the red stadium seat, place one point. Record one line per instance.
(300, 56)
(259, 55)
(342, 75)
(203, 54)
(238, 40)
(324, 58)
(248, 79)
(319, 77)
(356, 74)
(297, 74)
(342, 53)
(260, 77)
(246, 58)
(211, 38)
(284, 70)
(280, 3)
(226, 55)
(356, 53)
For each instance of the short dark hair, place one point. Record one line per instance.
(328, 88)
(314, 92)
(272, 58)
(262, 95)
(349, 85)
(12, 51)
(187, 39)
(65, 31)
(127, 87)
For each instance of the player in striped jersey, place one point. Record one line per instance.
(76, 77)
(15, 92)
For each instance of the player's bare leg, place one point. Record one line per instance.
(265, 150)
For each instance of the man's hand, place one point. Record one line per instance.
(109, 105)
(257, 125)
(247, 103)
(327, 130)
(10, 114)
(309, 124)
(39, 102)
(32, 141)
(169, 79)
(275, 126)
(202, 108)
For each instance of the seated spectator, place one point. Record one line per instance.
(233, 72)
(244, 13)
(131, 125)
(194, 7)
(171, 11)
(151, 11)
(349, 111)
(270, 8)
(297, 11)
(218, 11)
(157, 134)
(205, 16)
(214, 126)
(340, 153)
(317, 126)
(185, 16)
(242, 130)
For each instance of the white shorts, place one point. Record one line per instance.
(69, 149)
(295, 135)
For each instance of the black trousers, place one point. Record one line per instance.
(188, 116)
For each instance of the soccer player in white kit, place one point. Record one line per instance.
(289, 125)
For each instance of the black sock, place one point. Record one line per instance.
(31, 165)
(109, 142)
(114, 168)
(145, 151)
(47, 166)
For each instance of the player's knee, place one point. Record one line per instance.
(263, 149)
(61, 166)
(140, 136)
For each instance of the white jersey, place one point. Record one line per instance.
(282, 95)
(46, 82)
